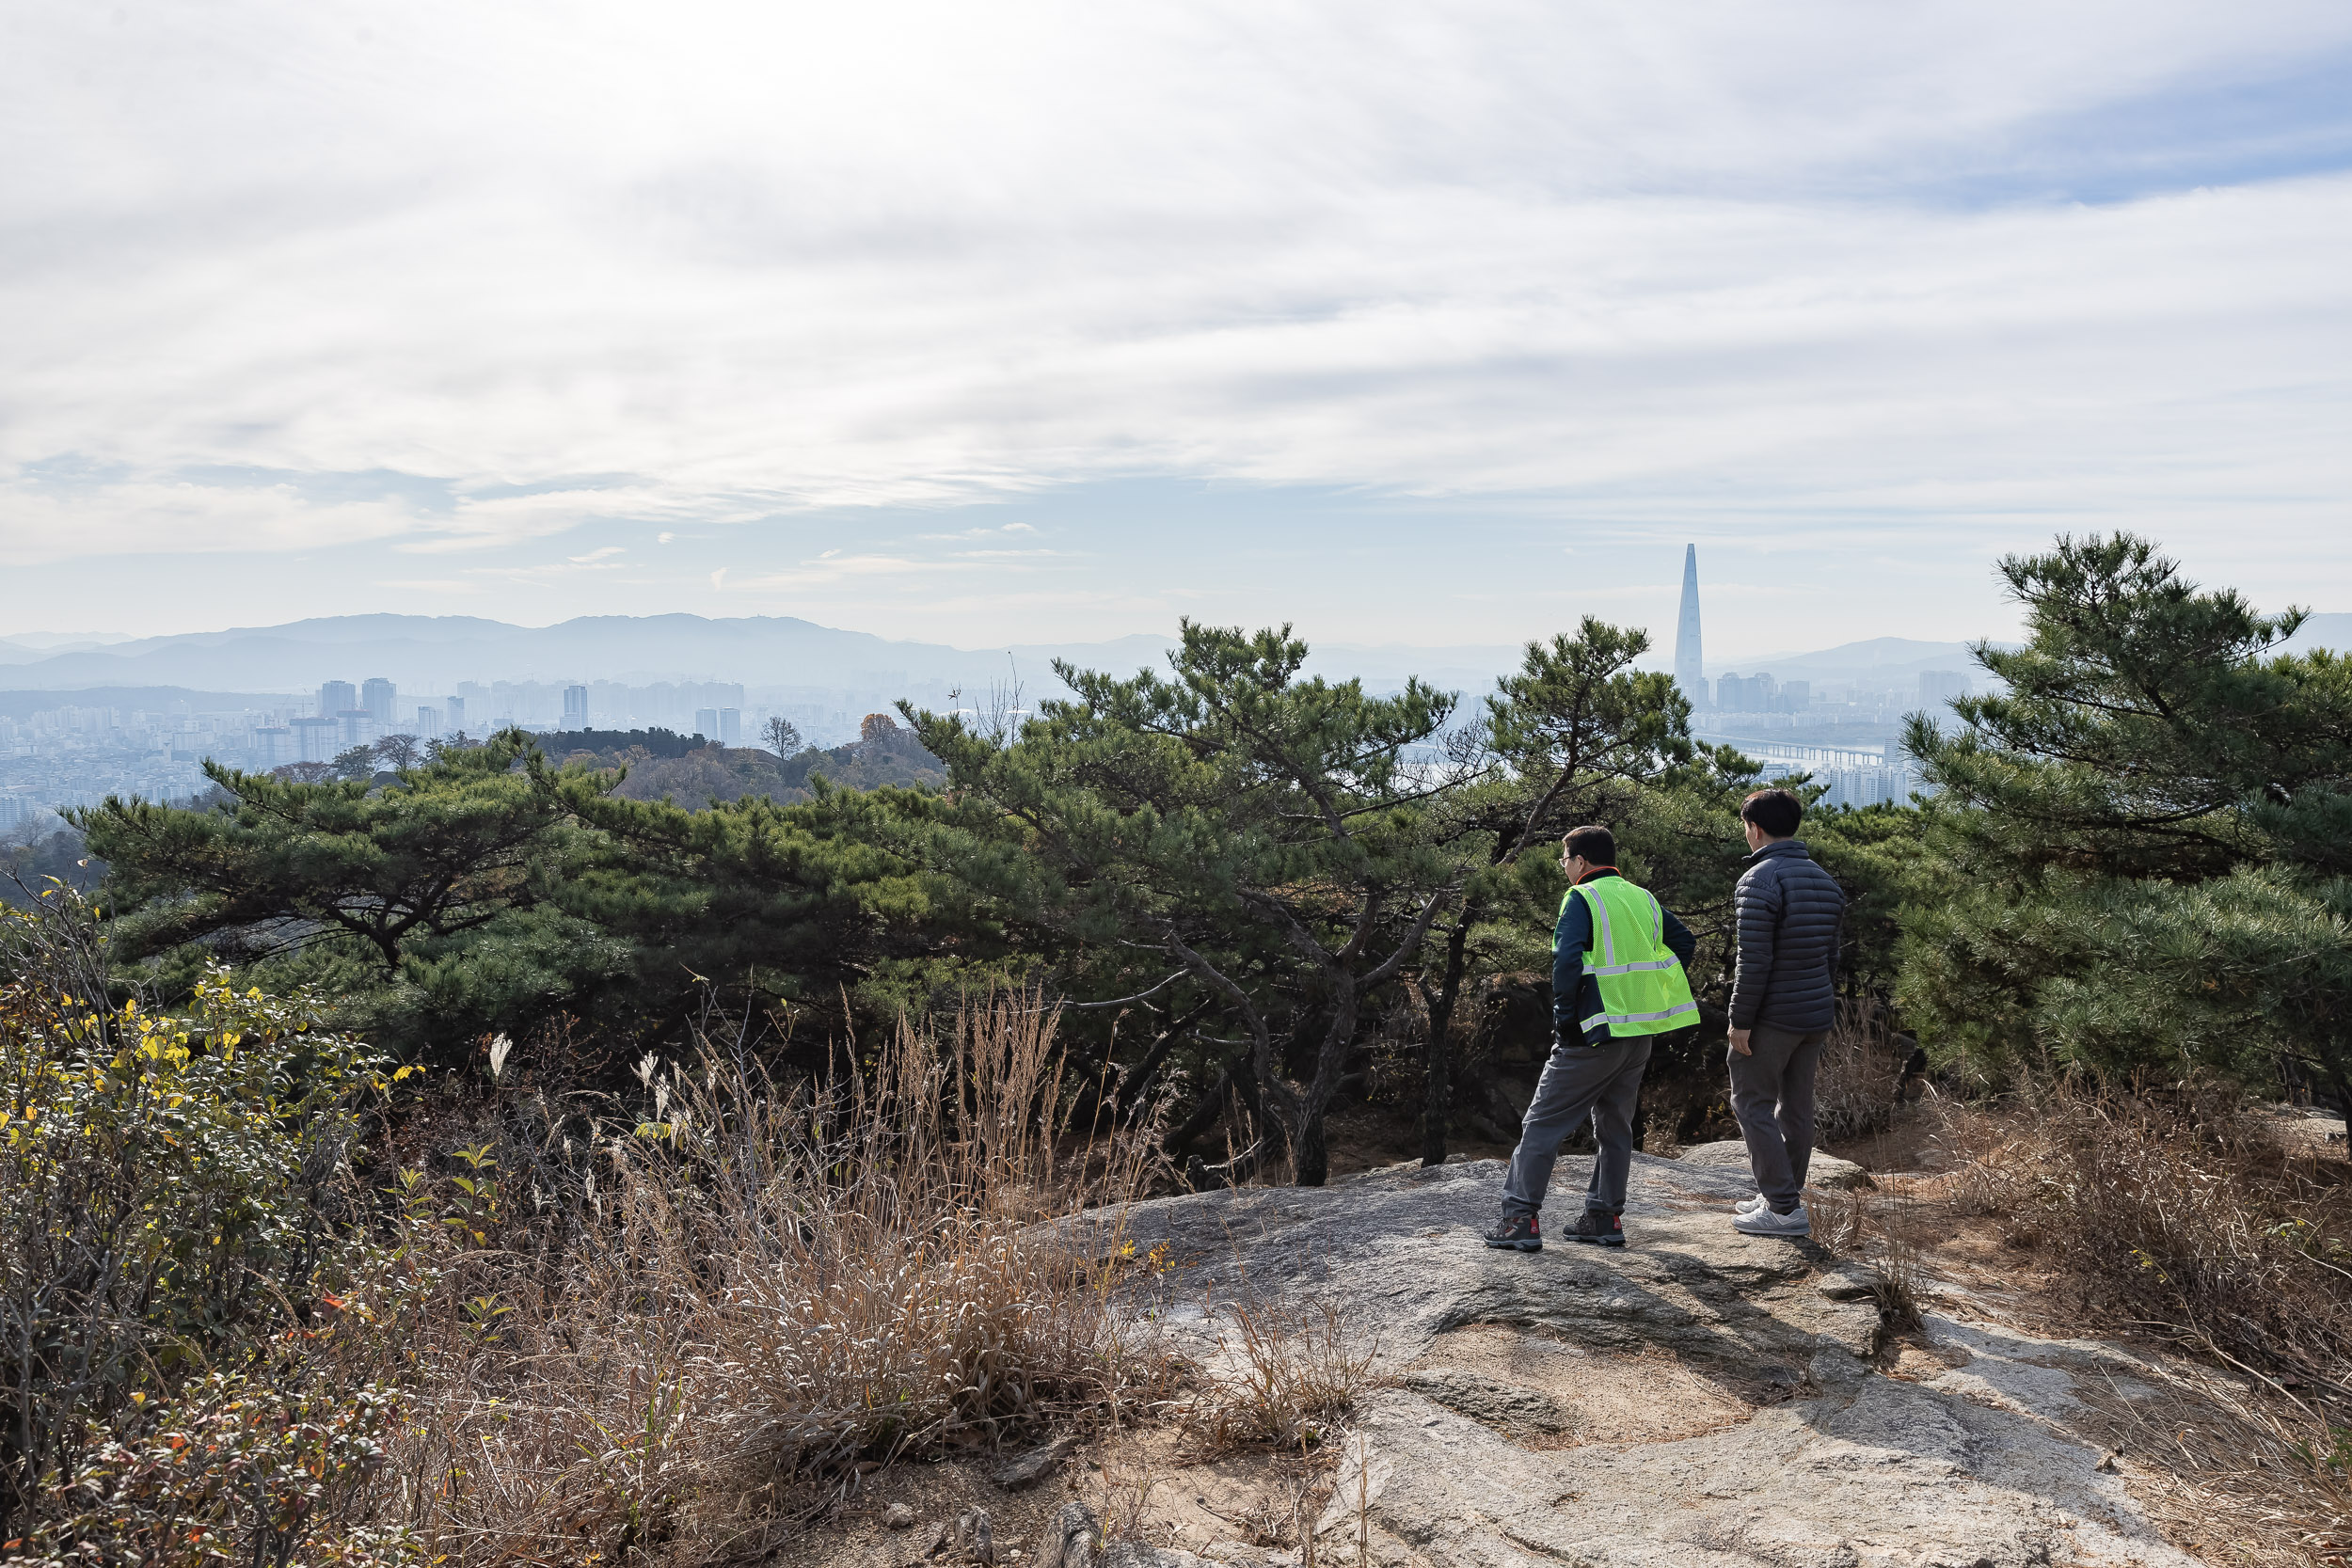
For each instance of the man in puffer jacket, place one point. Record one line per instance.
(1789, 912)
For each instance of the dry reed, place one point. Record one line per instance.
(675, 1342)
(2178, 1218)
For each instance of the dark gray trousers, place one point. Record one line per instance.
(1771, 1094)
(1603, 1081)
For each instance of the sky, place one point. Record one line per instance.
(1403, 324)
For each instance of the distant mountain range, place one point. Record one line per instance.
(1897, 659)
(1880, 658)
(436, 652)
(420, 652)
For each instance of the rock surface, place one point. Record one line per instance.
(1826, 1170)
(1033, 1466)
(1693, 1399)
(1071, 1543)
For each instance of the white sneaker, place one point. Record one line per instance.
(1750, 1204)
(1763, 1221)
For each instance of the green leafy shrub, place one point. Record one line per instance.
(234, 1470)
(174, 1188)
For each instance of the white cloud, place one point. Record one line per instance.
(49, 522)
(1676, 267)
(832, 566)
(1005, 532)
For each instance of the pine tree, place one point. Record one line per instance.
(423, 905)
(2138, 844)
(1568, 740)
(1258, 833)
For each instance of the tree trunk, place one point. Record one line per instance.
(1437, 1099)
(1310, 1152)
(1136, 1084)
(1204, 1115)
(1203, 1177)
(2332, 1063)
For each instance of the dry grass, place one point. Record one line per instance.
(2176, 1215)
(2225, 1465)
(1841, 1219)
(1861, 1073)
(1285, 1372)
(675, 1338)
(2181, 1221)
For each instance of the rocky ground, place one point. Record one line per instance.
(1697, 1397)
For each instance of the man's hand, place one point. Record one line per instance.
(1739, 1042)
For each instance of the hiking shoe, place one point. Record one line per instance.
(1598, 1228)
(1763, 1221)
(1517, 1233)
(1751, 1203)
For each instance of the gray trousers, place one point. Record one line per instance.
(1603, 1082)
(1771, 1094)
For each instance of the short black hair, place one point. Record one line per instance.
(1776, 811)
(1595, 843)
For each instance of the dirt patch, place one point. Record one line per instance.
(2303, 1129)
(1545, 1392)
(936, 1495)
(1908, 1144)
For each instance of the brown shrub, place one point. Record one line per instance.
(1861, 1069)
(675, 1342)
(2176, 1214)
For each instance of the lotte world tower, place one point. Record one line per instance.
(1690, 673)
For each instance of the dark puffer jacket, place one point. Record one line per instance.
(1789, 912)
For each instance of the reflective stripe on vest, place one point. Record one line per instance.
(1642, 989)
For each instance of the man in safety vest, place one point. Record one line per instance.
(1617, 958)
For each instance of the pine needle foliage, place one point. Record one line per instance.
(2137, 863)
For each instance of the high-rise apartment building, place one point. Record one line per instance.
(1689, 668)
(335, 696)
(453, 714)
(1938, 687)
(379, 696)
(706, 722)
(428, 722)
(1760, 693)
(574, 707)
(315, 737)
(730, 726)
(1737, 693)
(356, 727)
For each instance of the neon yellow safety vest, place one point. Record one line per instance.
(1642, 989)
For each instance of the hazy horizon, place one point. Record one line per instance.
(1053, 325)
